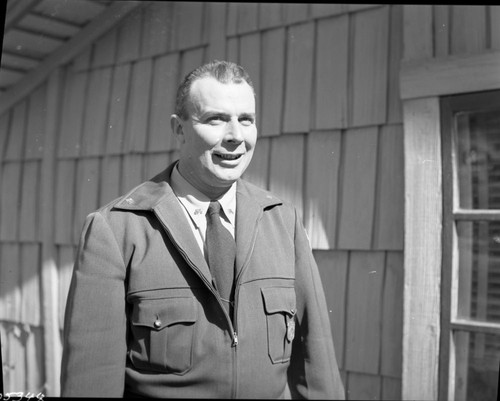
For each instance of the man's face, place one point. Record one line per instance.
(218, 139)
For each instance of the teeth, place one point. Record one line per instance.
(229, 157)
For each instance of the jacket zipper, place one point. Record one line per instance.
(235, 309)
(232, 330)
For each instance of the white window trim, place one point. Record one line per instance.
(422, 82)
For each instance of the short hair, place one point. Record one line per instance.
(223, 71)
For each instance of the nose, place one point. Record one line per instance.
(234, 131)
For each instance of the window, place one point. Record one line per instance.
(470, 320)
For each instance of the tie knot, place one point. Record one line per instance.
(214, 208)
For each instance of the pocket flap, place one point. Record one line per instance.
(279, 300)
(160, 313)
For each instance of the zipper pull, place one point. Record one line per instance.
(235, 339)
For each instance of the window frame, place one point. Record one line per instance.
(422, 83)
(452, 214)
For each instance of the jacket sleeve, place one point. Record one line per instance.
(313, 372)
(94, 339)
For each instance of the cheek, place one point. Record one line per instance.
(251, 138)
(209, 136)
(201, 142)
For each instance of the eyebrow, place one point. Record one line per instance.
(212, 113)
(252, 115)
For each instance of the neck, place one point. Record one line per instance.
(210, 191)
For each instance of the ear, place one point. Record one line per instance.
(177, 127)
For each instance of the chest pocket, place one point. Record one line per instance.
(163, 331)
(279, 304)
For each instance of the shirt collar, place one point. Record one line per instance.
(196, 202)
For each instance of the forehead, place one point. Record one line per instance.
(208, 92)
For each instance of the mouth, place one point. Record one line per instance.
(227, 157)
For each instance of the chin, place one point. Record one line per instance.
(228, 180)
(230, 175)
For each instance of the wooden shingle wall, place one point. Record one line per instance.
(21, 147)
(330, 141)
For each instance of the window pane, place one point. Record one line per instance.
(478, 159)
(479, 270)
(477, 358)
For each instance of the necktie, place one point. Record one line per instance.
(221, 250)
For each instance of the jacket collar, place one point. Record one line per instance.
(157, 195)
(251, 202)
(148, 194)
(153, 192)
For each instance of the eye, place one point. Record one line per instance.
(216, 119)
(247, 120)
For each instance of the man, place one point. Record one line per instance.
(150, 314)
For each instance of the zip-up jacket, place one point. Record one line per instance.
(143, 319)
